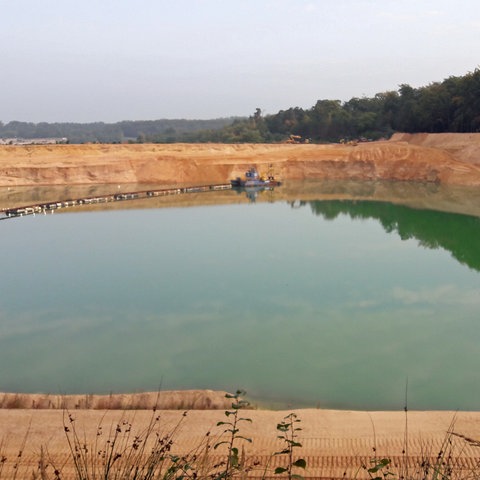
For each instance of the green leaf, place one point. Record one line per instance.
(234, 457)
(219, 443)
(300, 463)
(297, 477)
(382, 464)
(280, 470)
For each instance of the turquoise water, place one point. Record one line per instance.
(332, 304)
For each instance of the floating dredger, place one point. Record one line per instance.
(253, 179)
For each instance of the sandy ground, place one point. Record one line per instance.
(446, 159)
(334, 442)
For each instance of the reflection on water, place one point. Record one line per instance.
(336, 308)
(457, 234)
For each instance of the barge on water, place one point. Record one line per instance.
(254, 179)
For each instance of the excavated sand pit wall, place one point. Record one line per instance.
(444, 158)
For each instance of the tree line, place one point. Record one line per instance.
(452, 105)
(164, 130)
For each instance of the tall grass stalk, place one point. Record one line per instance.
(123, 453)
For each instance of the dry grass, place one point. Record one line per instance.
(168, 400)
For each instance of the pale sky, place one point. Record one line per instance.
(113, 60)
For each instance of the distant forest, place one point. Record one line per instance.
(452, 105)
(164, 131)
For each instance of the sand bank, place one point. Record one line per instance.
(333, 441)
(444, 158)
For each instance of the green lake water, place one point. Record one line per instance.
(330, 303)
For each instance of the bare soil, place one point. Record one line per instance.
(442, 158)
(333, 442)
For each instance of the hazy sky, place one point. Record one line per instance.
(106, 60)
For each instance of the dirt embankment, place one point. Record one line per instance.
(441, 158)
(167, 400)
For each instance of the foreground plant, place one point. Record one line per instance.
(233, 463)
(123, 453)
(288, 429)
(445, 464)
(380, 469)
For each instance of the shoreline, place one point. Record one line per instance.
(169, 400)
(424, 196)
(424, 171)
(204, 399)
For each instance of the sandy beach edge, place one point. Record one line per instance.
(333, 441)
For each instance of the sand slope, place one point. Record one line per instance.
(444, 158)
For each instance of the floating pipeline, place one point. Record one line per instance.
(50, 207)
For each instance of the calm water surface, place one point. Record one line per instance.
(334, 304)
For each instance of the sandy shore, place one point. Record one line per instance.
(333, 442)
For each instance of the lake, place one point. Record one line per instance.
(328, 303)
